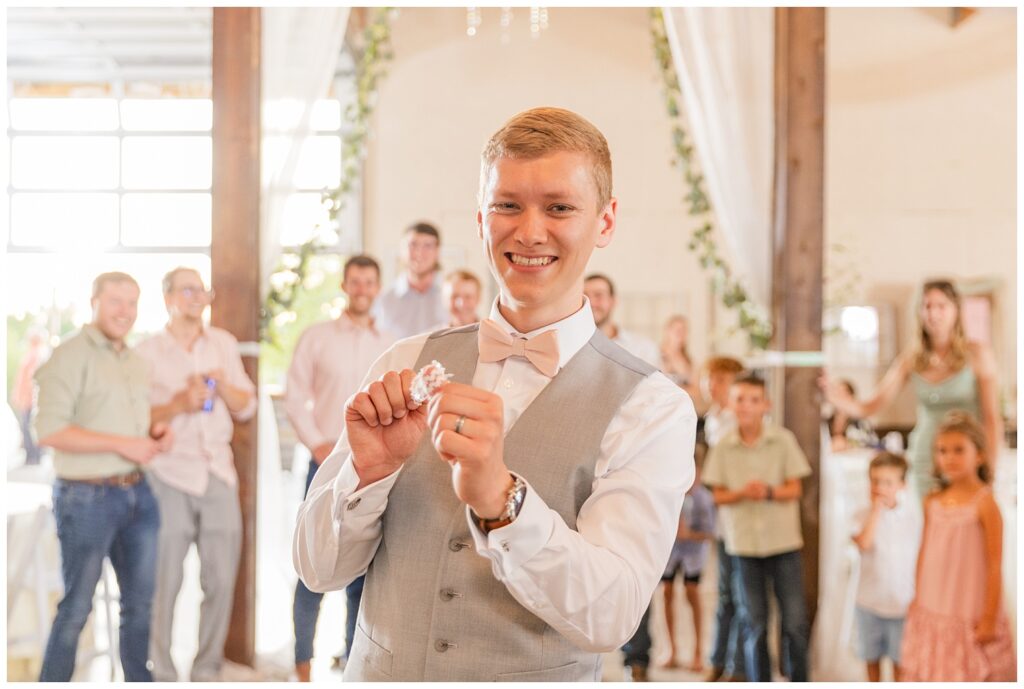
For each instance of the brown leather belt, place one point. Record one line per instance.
(120, 481)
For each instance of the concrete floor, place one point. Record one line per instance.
(832, 657)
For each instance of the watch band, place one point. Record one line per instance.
(513, 503)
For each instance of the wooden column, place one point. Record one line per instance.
(234, 254)
(798, 240)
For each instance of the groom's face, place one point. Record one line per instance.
(540, 221)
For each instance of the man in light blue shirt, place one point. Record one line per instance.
(414, 303)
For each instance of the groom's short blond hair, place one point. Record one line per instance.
(537, 132)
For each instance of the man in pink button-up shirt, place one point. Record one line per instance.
(328, 364)
(199, 386)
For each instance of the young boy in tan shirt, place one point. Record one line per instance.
(754, 472)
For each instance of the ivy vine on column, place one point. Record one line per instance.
(288, 278)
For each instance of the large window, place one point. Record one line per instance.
(104, 183)
(103, 173)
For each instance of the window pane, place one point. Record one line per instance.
(302, 214)
(319, 163)
(64, 162)
(68, 114)
(167, 162)
(173, 114)
(166, 220)
(61, 221)
(69, 276)
(326, 115)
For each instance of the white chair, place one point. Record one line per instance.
(29, 572)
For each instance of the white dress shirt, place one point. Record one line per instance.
(405, 311)
(592, 585)
(718, 421)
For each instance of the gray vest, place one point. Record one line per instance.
(432, 609)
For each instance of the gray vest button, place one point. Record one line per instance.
(448, 594)
(441, 645)
(455, 545)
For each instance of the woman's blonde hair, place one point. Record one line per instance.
(537, 132)
(958, 342)
(664, 337)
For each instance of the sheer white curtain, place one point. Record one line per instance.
(725, 60)
(300, 55)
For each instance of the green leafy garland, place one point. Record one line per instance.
(751, 317)
(290, 276)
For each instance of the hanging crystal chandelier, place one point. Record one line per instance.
(538, 22)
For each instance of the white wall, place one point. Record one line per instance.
(920, 148)
(921, 156)
(446, 93)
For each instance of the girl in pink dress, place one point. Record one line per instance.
(956, 628)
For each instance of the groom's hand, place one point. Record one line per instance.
(476, 452)
(384, 426)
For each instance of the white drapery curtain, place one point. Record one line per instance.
(299, 57)
(725, 61)
(300, 54)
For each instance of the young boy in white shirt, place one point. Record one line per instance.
(888, 537)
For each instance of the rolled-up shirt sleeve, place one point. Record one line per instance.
(58, 382)
(594, 583)
(240, 379)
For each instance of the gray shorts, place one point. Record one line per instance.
(878, 637)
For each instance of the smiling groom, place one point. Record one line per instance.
(515, 526)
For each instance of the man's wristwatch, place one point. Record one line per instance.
(771, 494)
(513, 503)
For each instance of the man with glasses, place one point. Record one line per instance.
(198, 386)
(414, 303)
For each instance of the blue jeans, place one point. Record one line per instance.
(638, 649)
(306, 606)
(94, 522)
(784, 571)
(727, 646)
(32, 451)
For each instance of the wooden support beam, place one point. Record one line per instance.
(957, 15)
(798, 241)
(234, 254)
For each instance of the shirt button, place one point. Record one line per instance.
(455, 545)
(354, 504)
(505, 546)
(508, 383)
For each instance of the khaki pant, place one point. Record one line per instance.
(214, 523)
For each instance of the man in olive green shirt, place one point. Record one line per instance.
(754, 472)
(94, 412)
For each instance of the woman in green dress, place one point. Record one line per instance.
(947, 373)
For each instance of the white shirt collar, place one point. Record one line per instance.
(573, 332)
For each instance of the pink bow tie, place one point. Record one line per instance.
(497, 345)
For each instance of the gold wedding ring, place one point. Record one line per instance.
(458, 424)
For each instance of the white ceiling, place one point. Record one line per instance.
(71, 44)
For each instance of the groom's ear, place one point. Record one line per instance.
(606, 219)
(479, 224)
